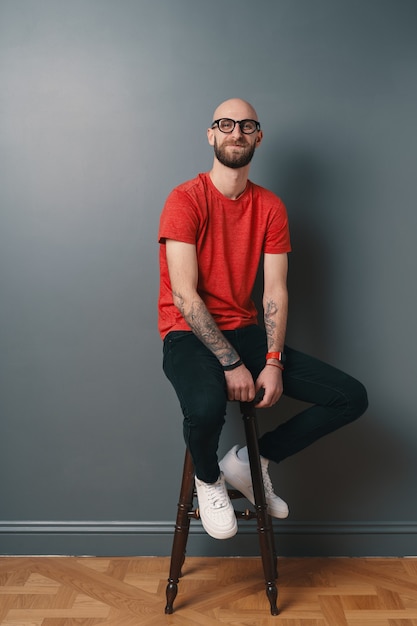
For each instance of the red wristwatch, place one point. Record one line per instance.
(279, 356)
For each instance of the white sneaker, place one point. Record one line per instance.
(237, 473)
(216, 511)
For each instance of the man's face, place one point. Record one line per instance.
(234, 149)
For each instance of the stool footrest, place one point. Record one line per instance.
(247, 514)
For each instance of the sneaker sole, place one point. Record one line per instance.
(217, 535)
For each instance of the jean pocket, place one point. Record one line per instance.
(175, 337)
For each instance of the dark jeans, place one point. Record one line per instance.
(199, 382)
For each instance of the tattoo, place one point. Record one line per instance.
(207, 331)
(271, 309)
(205, 328)
(179, 302)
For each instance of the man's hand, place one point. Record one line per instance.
(270, 379)
(240, 385)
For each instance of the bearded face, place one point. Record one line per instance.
(234, 153)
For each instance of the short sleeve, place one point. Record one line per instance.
(277, 236)
(179, 218)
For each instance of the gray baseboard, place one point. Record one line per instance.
(298, 539)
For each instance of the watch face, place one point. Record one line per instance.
(283, 357)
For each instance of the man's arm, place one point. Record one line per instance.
(183, 273)
(275, 303)
(275, 300)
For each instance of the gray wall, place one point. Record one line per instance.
(103, 109)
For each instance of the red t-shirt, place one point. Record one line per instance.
(230, 237)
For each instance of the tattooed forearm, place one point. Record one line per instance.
(270, 313)
(204, 327)
(207, 331)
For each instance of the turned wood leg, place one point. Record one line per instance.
(182, 527)
(265, 530)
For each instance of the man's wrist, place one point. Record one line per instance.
(233, 366)
(277, 358)
(275, 364)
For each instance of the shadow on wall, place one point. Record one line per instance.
(298, 181)
(345, 477)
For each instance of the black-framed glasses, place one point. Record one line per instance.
(226, 125)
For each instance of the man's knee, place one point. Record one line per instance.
(207, 415)
(356, 399)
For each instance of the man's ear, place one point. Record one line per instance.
(259, 139)
(210, 136)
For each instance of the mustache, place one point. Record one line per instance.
(235, 143)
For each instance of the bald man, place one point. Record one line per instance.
(214, 231)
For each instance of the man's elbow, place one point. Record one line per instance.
(179, 301)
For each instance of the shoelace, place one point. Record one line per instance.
(269, 490)
(217, 495)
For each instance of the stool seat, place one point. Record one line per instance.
(186, 512)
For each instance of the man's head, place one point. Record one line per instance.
(235, 133)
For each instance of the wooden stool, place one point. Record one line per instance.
(265, 531)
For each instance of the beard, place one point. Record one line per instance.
(234, 159)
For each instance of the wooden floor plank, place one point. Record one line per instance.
(72, 591)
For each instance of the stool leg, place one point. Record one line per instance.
(265, 531)
(182, 527)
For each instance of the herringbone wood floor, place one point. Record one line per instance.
(60, 591)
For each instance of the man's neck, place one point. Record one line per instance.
(230, 182)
